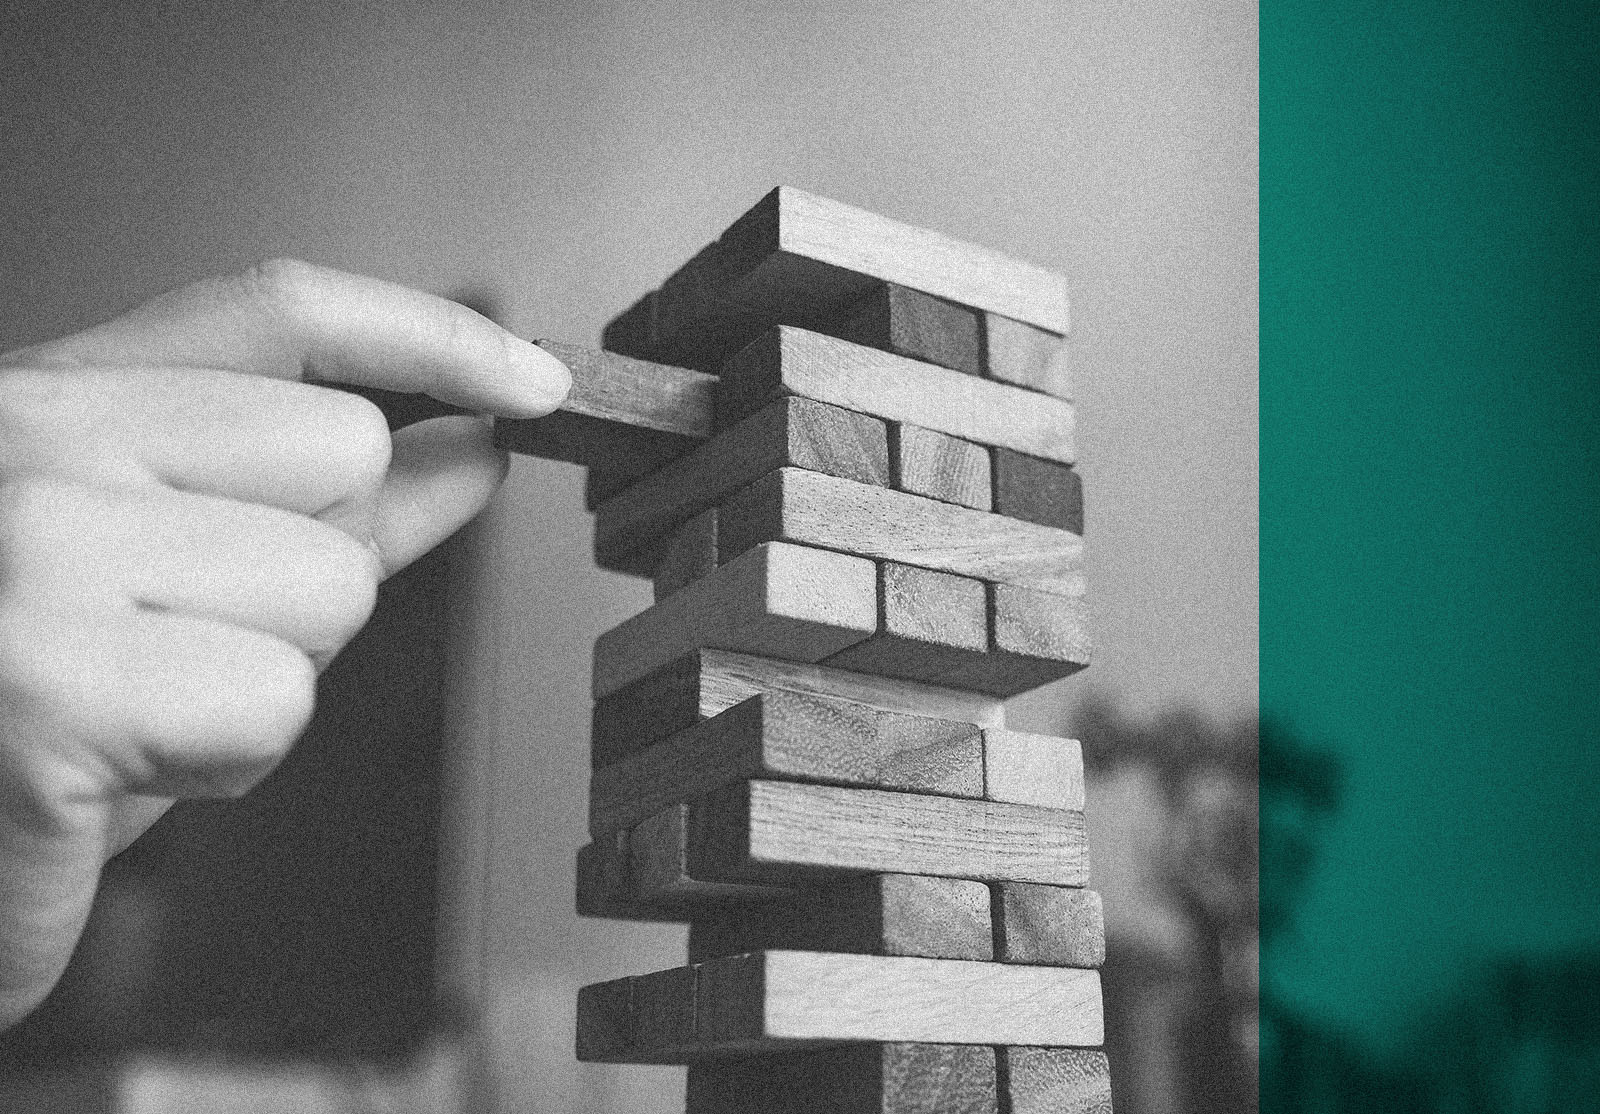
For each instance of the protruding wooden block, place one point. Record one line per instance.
(812, 509)
(605, 1022)
(1037, 490)
(1052, 925)
(782, 601)
(691, 554)
(915, 325)
(1055, 1080)
(931, 624)
(1027, 356)
(899, 1078)
(763, 1001)
(623, 416)
(664, 1013)
(790, 361)
(791, 737)
(705, 683)
(799, 258)
(785, 833)
(941, 467)
(1028, 769)
(632, 526)
(880, 914)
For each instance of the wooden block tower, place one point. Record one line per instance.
(842, 447)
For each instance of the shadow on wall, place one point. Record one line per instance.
(1205, 835)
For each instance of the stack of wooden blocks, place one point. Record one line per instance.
(843, 449)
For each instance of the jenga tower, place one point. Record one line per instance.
(843, 449)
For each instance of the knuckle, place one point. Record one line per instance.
(365, 446)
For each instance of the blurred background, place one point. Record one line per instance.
(392, 912)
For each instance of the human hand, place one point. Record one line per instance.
(190, 527)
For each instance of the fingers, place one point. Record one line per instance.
(289, 320)
(443, 473)
(283, 444)
(93, 550)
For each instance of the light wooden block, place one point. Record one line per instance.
(791, 361)
(1034, 638)
(705, 683)
(766, 1000)
(1029, 769)
(623, 416)
(897, 1078)
(632, 526)
(1041, 491)
(790, 737)
(1055, 1080)
(915, 325)
(880, 914)
(1026, 356)
(691, 554)
(931, 625)
(786, 833)
(941, 467)
(798, 258)
(779, 600)
(812, 509)
(1053, 925)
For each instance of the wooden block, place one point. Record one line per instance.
(894, 1078)
(600, 485)
(631, 526)
(663, 874)
(1026, 356)
(1028, 769)
(1034, 638)
(705, 683)
(1055, 1080)
(789, 737)
(930, 626)
(916, 325)
(1037, 490)
(605, 884)
(802, 258)
(812, 509)
(633, 331)
(791, 361)
(880, 914)
(786, 833)
(1050, 925)
(664, 1014)
(605, 1022)
(624, 416)
(782, 601)
(766, 1000)
(691, 554)
(941, 467)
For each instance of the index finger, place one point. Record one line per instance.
(291, 320)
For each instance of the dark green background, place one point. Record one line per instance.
(1430, 422)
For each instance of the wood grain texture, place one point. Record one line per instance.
(941, 467)
(812, 509)
(662, 874)
(786, 833)
(782, 601)
(894, 1078)
(705, 683)
(790, 737)
(880, 914)
(623, 416)
(915, 325)
(1051, 925)
(1027, 356)
(631, 527)
(1034, 638)
(767, 999)
(791, 361)
(1041, 491)
(1030, 769)
(932, 626)
(690, 554)
(1055, 1080)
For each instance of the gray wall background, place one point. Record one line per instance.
(567, 156)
